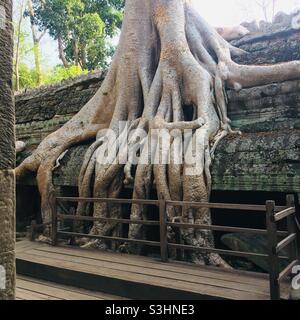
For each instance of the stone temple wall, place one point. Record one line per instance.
(265, 158)
(7, 157)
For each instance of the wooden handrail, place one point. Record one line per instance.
(170, 224)
(218, 251)
(284, 214)
(103, 219)
(229, 206)
(222, 228)
(109, 200)
(283, 274)
(273, 213)
(285, 242)
(83, 235)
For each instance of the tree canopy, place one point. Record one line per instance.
(81, 28)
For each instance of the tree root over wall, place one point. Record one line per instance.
(168, 58)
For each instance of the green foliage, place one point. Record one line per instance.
(83, 26)
(60, 73)
(87, 23)
(28, 77)
(25, 46)
(22, 47)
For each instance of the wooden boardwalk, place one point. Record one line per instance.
(137, 277)
(35, 289)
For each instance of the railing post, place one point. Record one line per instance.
(72, 212)
(32, 230)
(292, 227)
(163, 230)
(273, 256)
(54, 222)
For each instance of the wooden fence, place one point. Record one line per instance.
(273, 215)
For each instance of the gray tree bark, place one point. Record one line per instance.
(7, 156)
(168, 58)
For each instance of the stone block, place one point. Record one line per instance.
(7, 211)
(7, 119)
(7, 272)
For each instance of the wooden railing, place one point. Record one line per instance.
(273, 214)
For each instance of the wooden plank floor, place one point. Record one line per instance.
(138, 277)
(35, 289)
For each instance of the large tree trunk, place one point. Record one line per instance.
(168, 58)
(36, 44)
(61, 52)
(76, 52)
(7, 156)
(17, 53)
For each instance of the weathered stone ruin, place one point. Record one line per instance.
(265, 160)
(267, 116)
(7, 157)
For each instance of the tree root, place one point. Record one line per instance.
(168, 58)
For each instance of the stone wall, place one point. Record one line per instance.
(272, 42)
(7, 157)
(265, 158)
(275, 47)
(43, 110)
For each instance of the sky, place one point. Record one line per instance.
(218, 13)
(232, 12)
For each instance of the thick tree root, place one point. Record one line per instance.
(168, 58)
